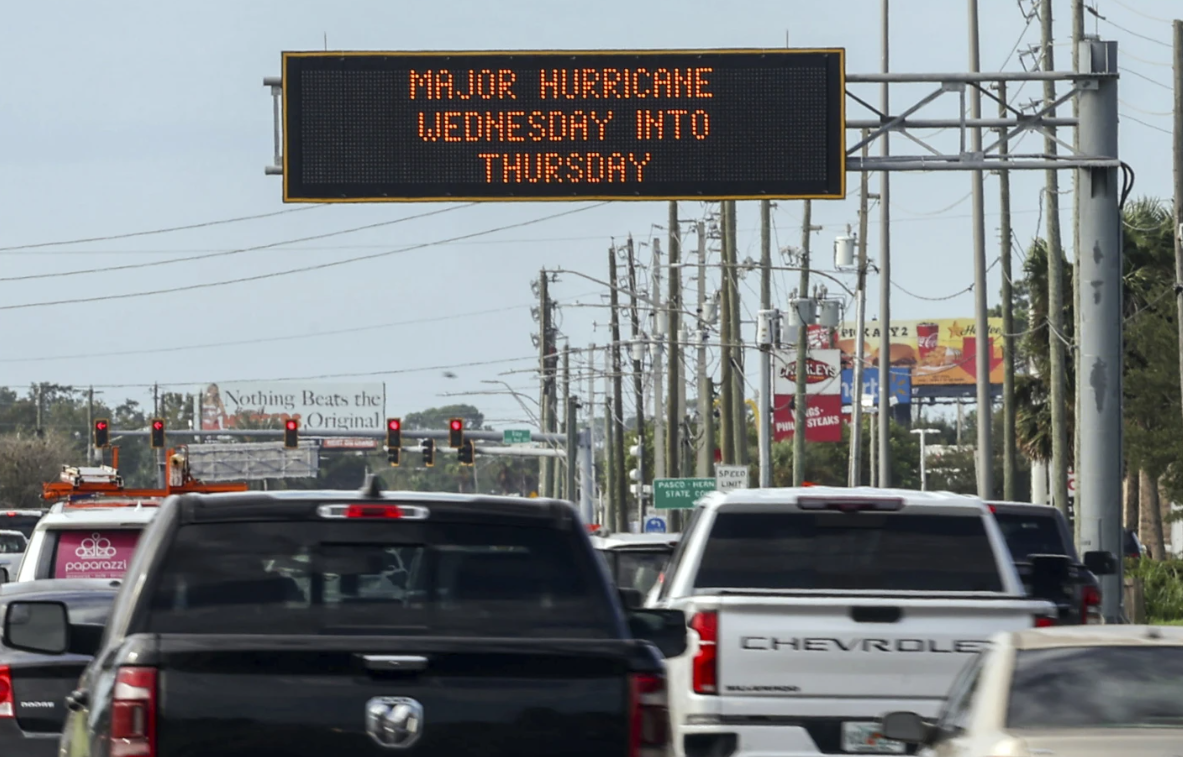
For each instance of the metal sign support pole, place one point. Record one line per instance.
(1100, 338)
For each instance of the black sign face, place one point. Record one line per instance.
(669, 125)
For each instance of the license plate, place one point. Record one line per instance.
(865, 738)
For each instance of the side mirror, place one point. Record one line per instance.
(1050, 575)
(42, 627)
(907, 727)
(632, 599)
(665, 629)
(1101, 563)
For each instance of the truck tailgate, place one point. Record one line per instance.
(310, 696)
(853, 646)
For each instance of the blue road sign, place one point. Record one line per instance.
(655, 525)
(901, 384)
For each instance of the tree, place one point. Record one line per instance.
(26, 462)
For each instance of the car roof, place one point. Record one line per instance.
(790, 495)
(98, 516)
(626, 541)
(1097, 636)
(284, 503)
(11, 532)
(50, 586)
(1023, 507)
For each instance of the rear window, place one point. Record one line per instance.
(370, 577)
(1097, 687)
(91, 553)
(639, 570)
(23, 523)
(855, 551)
(1031, 534)
(12, 544)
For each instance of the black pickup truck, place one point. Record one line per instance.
(321, 623)
(1040, 532)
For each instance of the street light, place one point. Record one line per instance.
(924, 432)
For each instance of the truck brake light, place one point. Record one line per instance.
(373, 511)
(6, 708)
(1090, 606)
(648, 715)
(705, 666)
(1044, 621)
(133, 713)
(850, 504)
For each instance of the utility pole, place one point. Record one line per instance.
(90, 448)
(1055, 256)
(706, 416)
(885, 273)
(739, 413)
(40, 407)
(546, 464)
(673, 424)
(854, 474)
(727, 439)
(1078, 395)
(660, 316)
(638, 380)
(159, 454)
(568, 427)
(981, 290)
(800, 400)
(767, 333)
(1178, 161)
(1009, 459)
(1100, 338)
(618, 476)
(572, 446)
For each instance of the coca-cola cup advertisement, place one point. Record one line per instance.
(927, 335)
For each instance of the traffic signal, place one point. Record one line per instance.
(467, 453)
(393, 454)
(291, 433)
(456, 433)
(157, 433)
(394, 433)
(428, 448)
(102, 433)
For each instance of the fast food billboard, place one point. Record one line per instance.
(939, 352)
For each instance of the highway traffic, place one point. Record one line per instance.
(813, 621)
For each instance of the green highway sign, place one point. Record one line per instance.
(516, 436)
(677, 493)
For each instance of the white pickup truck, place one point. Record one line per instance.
(815, 611)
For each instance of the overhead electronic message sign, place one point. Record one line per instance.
(670, 124)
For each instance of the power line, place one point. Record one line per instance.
(305, 269)
(1136, 34)
(1131, 106)
(1140, 13)
(363, 374)
(203, 225)
(1155, 82)
(1147, 125)
(239, 251)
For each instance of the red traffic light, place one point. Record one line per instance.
(291, 425)
(457, 424)
(395, 424)
(158, 425)
(101, 425)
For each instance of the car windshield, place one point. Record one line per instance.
(1030, 534)
(1097, 687)
(855, 551)
(12, 544)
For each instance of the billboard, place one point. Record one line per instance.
(318, 406)
(252, 461)
(823, 372)
(448, 126)
(901, 385)
(823, 418)
(938, 352)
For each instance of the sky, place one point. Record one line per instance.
(134, 116)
